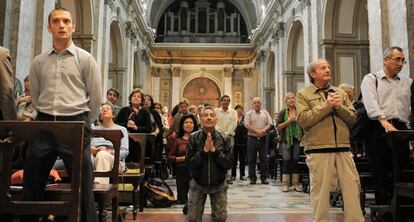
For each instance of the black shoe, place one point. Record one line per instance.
(243, 178)
(252, 182)
(229, 181)
(185, 209)
(233, 178)
(265, 181)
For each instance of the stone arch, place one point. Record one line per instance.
(202, 89)
(117, 70)
(82, 14)
(345, 41)
(269, 89)
(295, 55)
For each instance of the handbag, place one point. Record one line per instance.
(362, 127)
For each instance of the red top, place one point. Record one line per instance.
(178, 149)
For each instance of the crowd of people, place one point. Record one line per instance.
(207, 144)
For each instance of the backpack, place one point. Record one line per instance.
(360, 130)
(158, 193)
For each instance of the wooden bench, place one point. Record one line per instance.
(136, 172)
(103, 193)
(403, 179)
(15, 132)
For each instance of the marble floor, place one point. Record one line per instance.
(248, 203)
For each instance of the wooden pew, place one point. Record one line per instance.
(403, 180)
(17, 132)
(103, 193)
(136, 172)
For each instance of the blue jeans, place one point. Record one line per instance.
(254, 145)
(290, 157)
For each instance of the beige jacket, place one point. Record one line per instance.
(318, 120)
(7, 102)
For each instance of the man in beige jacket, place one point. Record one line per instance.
(325, 113)
(7, 102)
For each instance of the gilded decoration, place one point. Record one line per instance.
(202, 90)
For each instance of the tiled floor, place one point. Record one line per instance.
(248, 203)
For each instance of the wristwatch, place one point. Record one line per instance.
(382, 118)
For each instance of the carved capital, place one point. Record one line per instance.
(155, 72)
(247, 72)
(175, 71)
(228, 72)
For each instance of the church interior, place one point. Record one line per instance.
(201, 50)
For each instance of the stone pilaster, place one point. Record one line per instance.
(84, 41)
(227, 83)
(375, 30)
(247, 79)
(155, 79)
(175, 85)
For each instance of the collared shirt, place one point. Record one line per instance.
(391, 98)
(226, 120)
(67, 83)
(258, 120)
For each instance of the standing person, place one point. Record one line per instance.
(7, 102)
(65, 85)
(226, 122)
(258, 123)
(112, 96)
(291, 135)
(324, 112)
(209, 158)
(386, 95)
(188, 125)
(240, 145)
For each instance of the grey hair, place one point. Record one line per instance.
(311, 67)
(388, 51)
(110, 105)
(289, 94)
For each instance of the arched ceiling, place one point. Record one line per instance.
(249, 9)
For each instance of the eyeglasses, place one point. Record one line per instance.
(398, 60)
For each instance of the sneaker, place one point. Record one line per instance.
(252, 182)
(243, 178)
(265, 181)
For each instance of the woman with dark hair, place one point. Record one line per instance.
(136, 119)
(156, 126)
(187, 125)
(240, 145)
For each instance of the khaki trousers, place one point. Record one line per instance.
(324, 170)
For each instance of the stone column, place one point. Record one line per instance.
(155, 79)
(375, 31)
(46, 41)
(175, 85)
(247, 79)
(24, 38)
(307, 37)
(314, 30)
(397, 18)
(410, 28)
(228, 74)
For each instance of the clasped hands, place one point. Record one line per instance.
(334, 100)
(209, 146)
